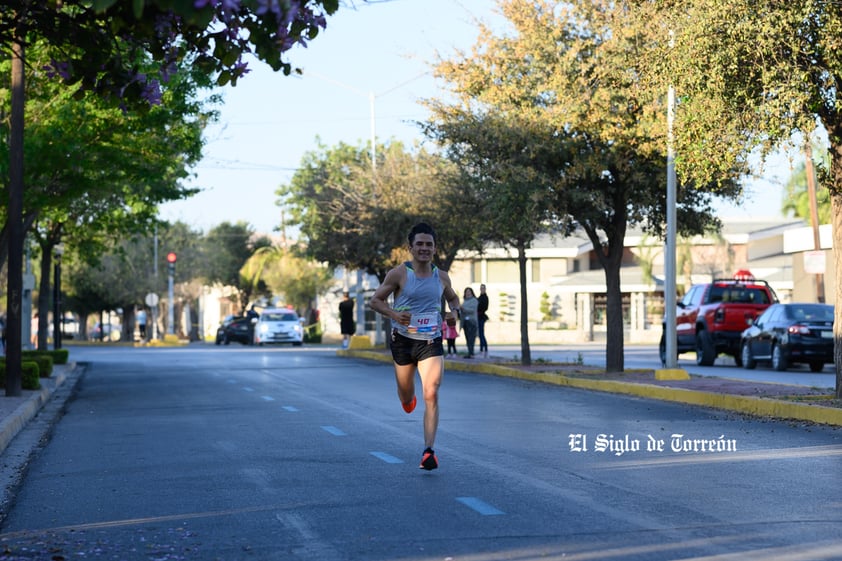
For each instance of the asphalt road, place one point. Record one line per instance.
(250, 453)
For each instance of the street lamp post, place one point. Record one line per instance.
(58, 251)
(171, 259)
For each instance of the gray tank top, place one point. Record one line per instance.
(422, 297)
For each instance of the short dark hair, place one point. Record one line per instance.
(421, 228)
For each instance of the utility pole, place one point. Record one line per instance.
(359, 297)
(814, 213)
(171, 259)
(671, 359)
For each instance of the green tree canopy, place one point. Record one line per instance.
(555, 111)
(298, 281)
(752, 75)
(226, 249)
(796, 193)
(97, 44)
(351, 217)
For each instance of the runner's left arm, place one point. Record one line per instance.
(450, 294)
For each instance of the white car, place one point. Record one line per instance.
(278, 325)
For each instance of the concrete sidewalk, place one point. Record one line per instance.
(16, 412)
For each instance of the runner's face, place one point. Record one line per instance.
(423, 247)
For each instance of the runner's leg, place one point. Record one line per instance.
(405, 377)
(431, 371)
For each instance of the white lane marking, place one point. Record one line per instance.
(333, 430)
(481, 507)
(267, 398)
(248, 389)
(290, 408)
(388, 458)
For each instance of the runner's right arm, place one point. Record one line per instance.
(390, 285)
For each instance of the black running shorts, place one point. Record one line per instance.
(412, 351)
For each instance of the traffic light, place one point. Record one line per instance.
(171, 257)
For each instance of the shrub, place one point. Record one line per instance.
(546, 307)
(43, 358)
(60, 356)
(313, 333)
(29, 375)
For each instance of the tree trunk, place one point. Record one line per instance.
(614, 361)
(610, 256)
(44, 299)
(128, 323)
(836, 213)
(525, 354)
(14, 294)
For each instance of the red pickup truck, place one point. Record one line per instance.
(711, 317)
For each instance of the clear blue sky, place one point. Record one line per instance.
(268, 121)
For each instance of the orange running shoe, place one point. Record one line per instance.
(429, 460)
(410, 407)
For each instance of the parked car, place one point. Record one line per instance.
(69, 328)
(278, 325)
(108, 332)
(787, 334)
(220, 331)
(236, 330)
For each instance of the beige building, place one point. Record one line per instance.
(566, 285)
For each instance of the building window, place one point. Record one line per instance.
(476, 271)
(536, 270)
(600, 306)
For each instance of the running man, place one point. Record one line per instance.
(418, 286)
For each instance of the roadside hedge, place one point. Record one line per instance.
(30, 375)
(59, 356)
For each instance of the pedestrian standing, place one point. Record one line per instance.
(252, 317)
(470, 305)
(450, 332)
(482, 317)
(141, 323)
(347, 326)
(418, 286)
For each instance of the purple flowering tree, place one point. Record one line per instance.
(96, 44)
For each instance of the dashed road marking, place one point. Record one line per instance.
(290, 408)
(480, 506)
(388, 458)
(267, 398)
(333, 430)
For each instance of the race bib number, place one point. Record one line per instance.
(425, 323)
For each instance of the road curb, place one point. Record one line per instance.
(29, 425)
(26, 411)
(750, 405)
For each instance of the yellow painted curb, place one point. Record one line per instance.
(360, 342)
(671, 374)
(758, 406)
